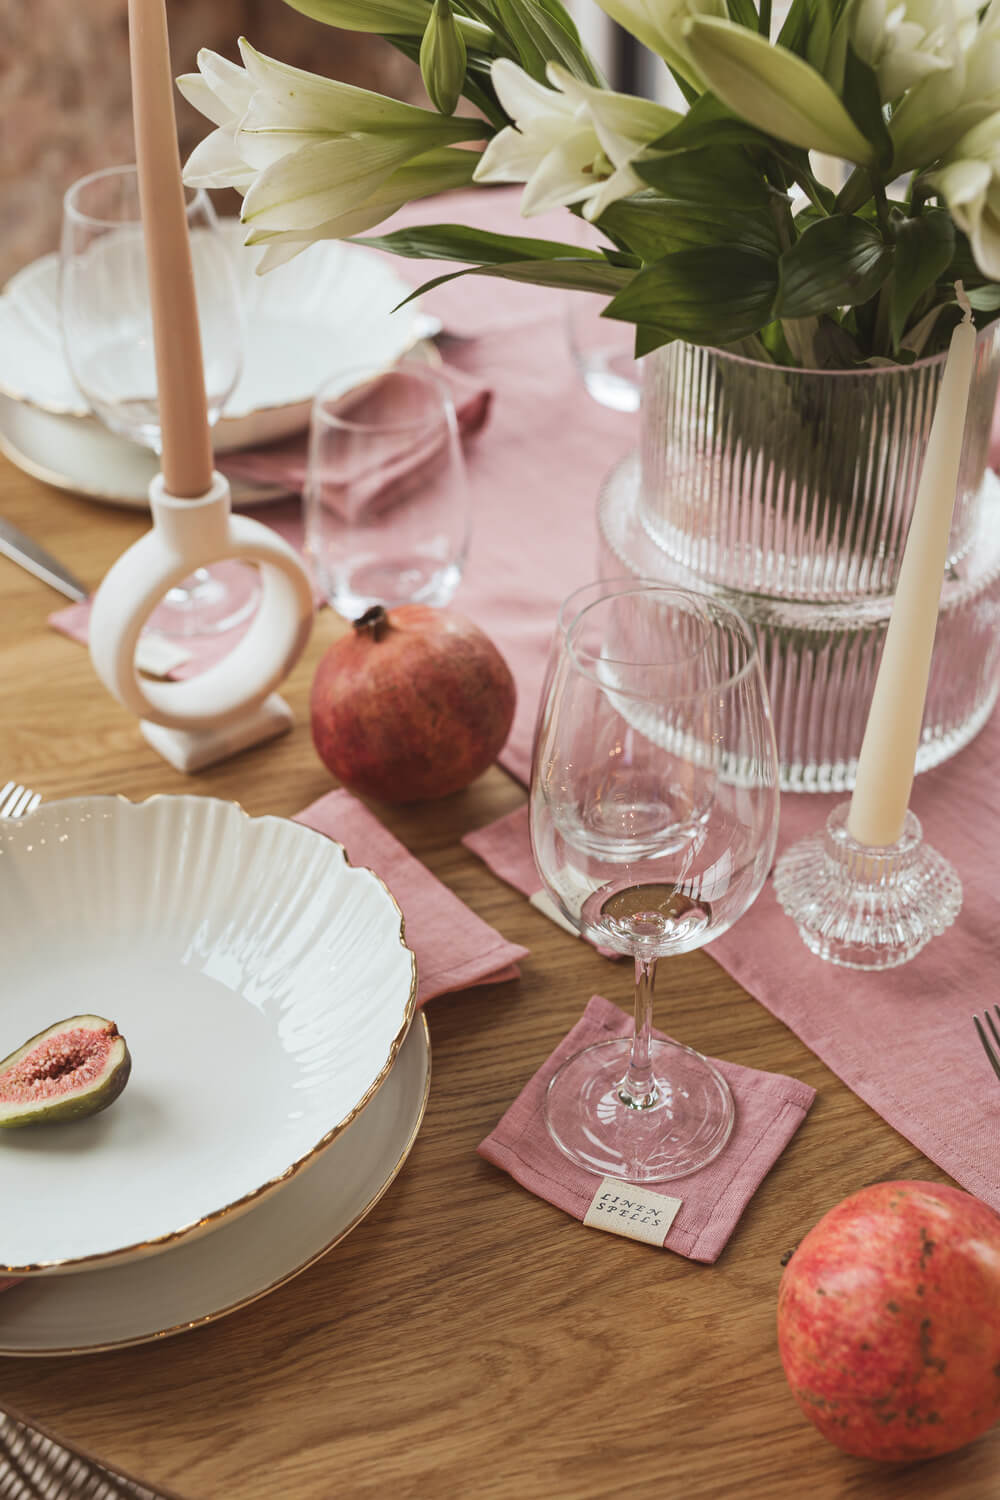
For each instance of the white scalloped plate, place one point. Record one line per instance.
(328, 310)
(205, 1279)
(262, 984)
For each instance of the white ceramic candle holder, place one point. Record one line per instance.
(233, 704)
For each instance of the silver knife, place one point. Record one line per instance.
(22, 549)
(154, 654)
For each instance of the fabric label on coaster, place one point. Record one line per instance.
(635, 1212)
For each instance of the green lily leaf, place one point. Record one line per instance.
(708, 123)
(985, 298)
(654, 226)
(712, 295)
(459, 242)
(648, 338)
(864, 105)
(408, 17)
(743, 12)
(924, 249)
(540, 38)
(585, 275)
(718, 175)
(839, 262)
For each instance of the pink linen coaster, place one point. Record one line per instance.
(455, 949)
(769, 1110)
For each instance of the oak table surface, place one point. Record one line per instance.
(466, 1339)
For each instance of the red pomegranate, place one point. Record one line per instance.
(889, 1321)
(412, 704)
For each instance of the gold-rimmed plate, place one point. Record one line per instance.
(202, 1280)
(262, 983)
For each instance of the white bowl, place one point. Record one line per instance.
(328, 310)
(262, 984)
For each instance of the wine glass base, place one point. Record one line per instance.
(685, 1130)
(211, 601)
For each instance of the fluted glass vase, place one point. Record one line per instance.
(788, 494)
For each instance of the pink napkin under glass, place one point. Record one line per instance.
(902, 1039)
(769, 1110)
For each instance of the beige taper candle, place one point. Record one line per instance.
(180, 378)
(892, 734)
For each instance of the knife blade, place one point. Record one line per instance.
(27, 552)
(154, 654)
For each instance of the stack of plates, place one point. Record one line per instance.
(326, 312)
(266, 994)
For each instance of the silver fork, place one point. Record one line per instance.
(16, 800)
(992, 1052)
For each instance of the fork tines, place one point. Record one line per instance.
(16, 800)
(992, 1050)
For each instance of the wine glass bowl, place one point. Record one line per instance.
(653, 822)
(105, 305)
(386, 498)
(106, 318)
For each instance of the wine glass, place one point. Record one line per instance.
(107, 329)
(654, 814)
(386, 497)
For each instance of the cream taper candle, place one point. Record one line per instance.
(892, 734)
(186, 440)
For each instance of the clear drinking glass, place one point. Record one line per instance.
(603, 352)
(108, 337)
(654, 813)
(386, 495)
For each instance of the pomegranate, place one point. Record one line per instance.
(889, 1321)
(411, 705)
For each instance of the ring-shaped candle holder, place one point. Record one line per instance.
(232, 704)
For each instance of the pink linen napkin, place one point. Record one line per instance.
(769, 1110)
(455, 949)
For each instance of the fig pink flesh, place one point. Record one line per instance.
(67, 1061)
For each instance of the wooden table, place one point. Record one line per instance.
(467, 1339)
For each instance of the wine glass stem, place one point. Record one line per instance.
(638, 1088)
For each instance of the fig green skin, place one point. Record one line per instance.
(77, 1102)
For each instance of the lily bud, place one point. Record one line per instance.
(443, 58)
(773, 89)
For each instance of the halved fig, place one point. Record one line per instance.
(75, 1068)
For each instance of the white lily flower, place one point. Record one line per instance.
(434, 172)
(659, 25)
(969, 183)
(773, 89)
(572, 143)
(304, 150)
(939, 110)
(906, 40)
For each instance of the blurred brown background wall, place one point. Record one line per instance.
(65, 99)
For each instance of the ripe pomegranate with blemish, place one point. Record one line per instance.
(889, 1321)
(412, 704)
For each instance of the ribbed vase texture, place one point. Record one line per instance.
(788, 494)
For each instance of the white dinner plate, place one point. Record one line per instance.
(305, 322)
(79, 455)
(205, 1279)
(262, 984)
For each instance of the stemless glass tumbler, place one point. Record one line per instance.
(107, 328)
(654, 813)
(386, 495)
